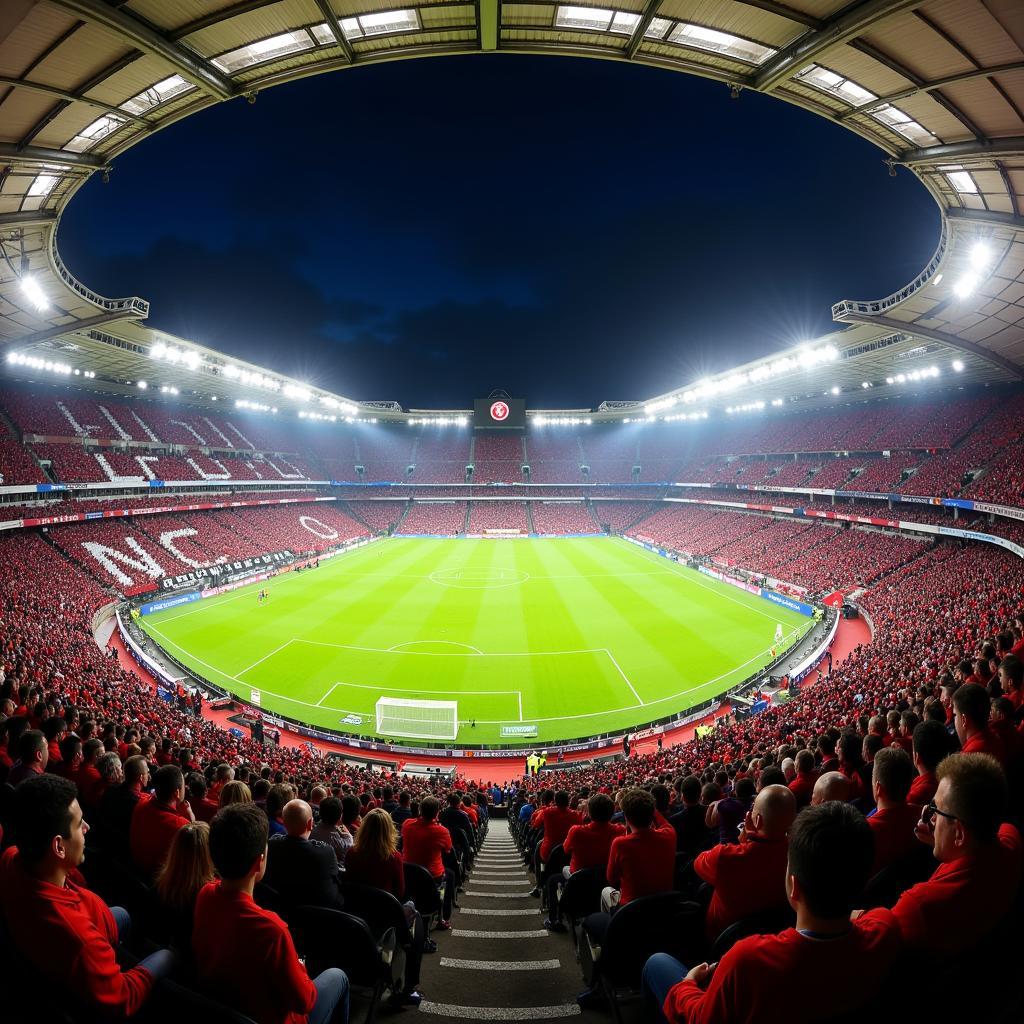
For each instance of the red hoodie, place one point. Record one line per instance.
(70, 937)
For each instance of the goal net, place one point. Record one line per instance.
(418, 719)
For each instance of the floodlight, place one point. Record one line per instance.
(34, 293)
(981, 255)
(835, 390)
(158, 351)
(142, 385)
(965, 286)
(958, 366)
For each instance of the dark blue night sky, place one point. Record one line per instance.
(569, 230)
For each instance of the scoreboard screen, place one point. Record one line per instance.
(509, 413)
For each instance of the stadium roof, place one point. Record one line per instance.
(938, 86)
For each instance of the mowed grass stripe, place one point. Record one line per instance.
(669, 629)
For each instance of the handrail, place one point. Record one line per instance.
(877, 307)
(133, 306)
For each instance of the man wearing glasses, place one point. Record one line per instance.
(979, 858)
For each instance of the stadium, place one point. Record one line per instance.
(708, 703)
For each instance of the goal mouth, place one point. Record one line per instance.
(418, 719)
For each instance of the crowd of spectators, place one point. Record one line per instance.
(560, 517)
(498, 515)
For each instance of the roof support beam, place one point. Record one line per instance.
(74, 97)
(962, 151)
(79, 325)
(336, 30)
(650, 10)
(147, 39)
(28, 219)
(488, 13)
(39, 155)
(851, 22)
(938, 83)
(784, 12)
(1012, 220)
(1008, 185)
(940, 336)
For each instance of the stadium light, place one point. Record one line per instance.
(965, 286)
(34, 293)
(866, 384)
(168, 390)
(835, 389)
(958, 366)
(35, 363)
(981, 255)
(141, 385)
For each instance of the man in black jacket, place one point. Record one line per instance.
(303, 871)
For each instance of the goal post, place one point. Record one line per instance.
(418, 719)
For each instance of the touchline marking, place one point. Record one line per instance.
(500, 1012)
(501, 965)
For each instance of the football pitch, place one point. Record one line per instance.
(577, 636)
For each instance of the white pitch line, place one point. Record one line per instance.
(276, 650)
(481, 912)
(453, 1012)
(449, 654)
(451, 643)
(468, 933)
(501, 965)
(625, 678)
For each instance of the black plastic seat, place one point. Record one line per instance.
(768, 922)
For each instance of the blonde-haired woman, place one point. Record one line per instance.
(186, 870)
(235, 793)
(374, 860)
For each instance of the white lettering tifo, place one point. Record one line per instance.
(329, 532)
(167, 540)
(108, 556)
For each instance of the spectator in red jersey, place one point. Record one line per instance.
(556, 819)
(1005, 730)
(424, 841)
(1011, 680)
(70, 757)
(979, 859)
(245, 954)
(931, 745)
(89, 780)
(588, 846)
(54, 729)
(748, 877)
(199, 798)
(972, 706)
(832, 964)
(642, 862)
(119, 802)
(802, 786)
(33, 754)
(893, 821)
(155, 822)
(66, 932)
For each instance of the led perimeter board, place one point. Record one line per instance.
(501, 413)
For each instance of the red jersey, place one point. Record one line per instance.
(423, 842)
(152, 829)
(922, 789)
(802, 787)
(963, 900)
(246, 956)
(642, 863)
(985, 742)
(387, 875)
(893, 830)
(589, 845)
(748, 878)
(792, 976)
(70, 937)
(556, 822)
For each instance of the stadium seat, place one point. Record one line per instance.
(662, 923)
(177, 1001)
(768, 923)
(334, 938)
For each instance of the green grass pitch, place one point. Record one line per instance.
(577, 636)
